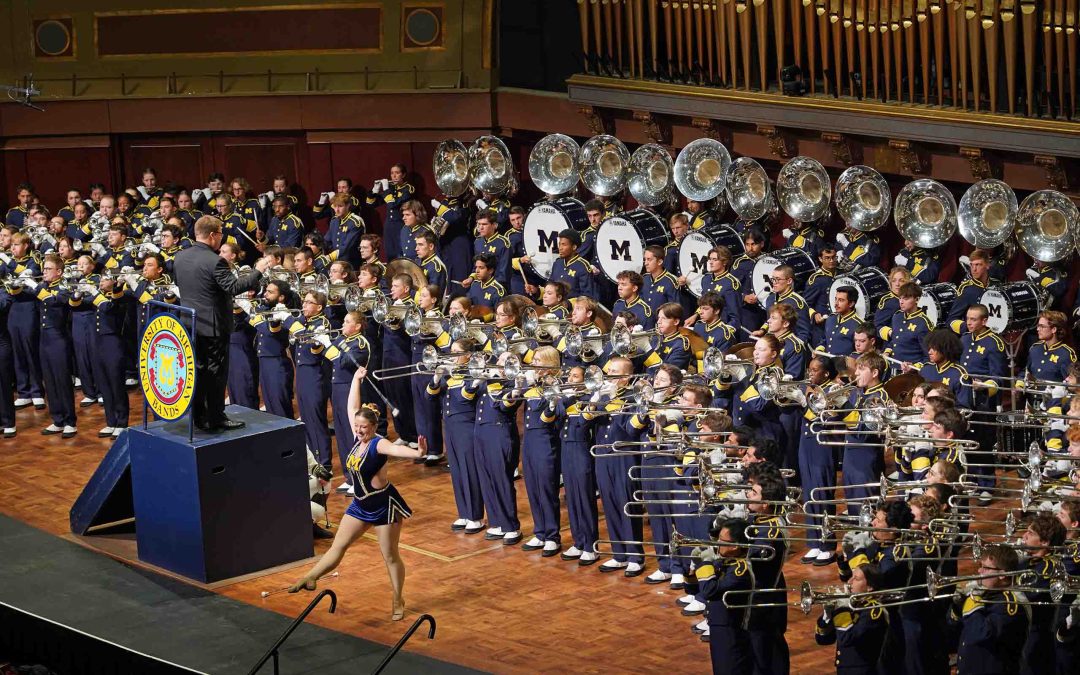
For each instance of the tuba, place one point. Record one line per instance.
(701, 170)
(651, 175)
(553, 164)
(863, 198)
(1047, 225)
(490, 165)
(748, 189)
(603, 166)
(925, 213)
(450, 165)
(987, 213)
(804, 189)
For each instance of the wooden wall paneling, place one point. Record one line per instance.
(423, 176)
(365, 163)
(184, 160)
(54, 171)
(14, 173)
(258, 159)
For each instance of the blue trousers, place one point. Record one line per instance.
(456, 253)
(579, 484)
(861, 465)
(688, 522)
(243, 375)
(312, 394)
(770, 649)
(818, 469)
(464, 458)
(25, 329)
(656, 488)
(497, 464)
(276, 383)
(616, 491)
(398, 391)
(7, 385)
(343, 433)
(109, 375)
(84, 338)
(729, 649)
(427, 415)
(56, 363)
(540, 459)
(790, 421)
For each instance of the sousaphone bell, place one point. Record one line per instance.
(925, 213)
(604, 164)
(987, 213)
(553, 164)
(651, 175)
(748, 189)
(450, 164)
(804, 189)
(1047, 225)
(490, 165)
(863, 198)
(701, 170)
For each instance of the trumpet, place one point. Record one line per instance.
(308, 336)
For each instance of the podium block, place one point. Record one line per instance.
(225, 504)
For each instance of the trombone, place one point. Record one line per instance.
(679, 540)
(808, 597)
(308, 336)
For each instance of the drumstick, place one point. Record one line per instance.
(285, 589)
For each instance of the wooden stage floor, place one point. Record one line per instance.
(498, 608)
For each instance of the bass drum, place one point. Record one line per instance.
(872, 284)
(936, 301)
(546, 219)
(694, 251)
(798, 259)
(621, 241)
(1012, 306)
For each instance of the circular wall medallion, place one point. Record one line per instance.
(52, 37)
(422, 27)
(167, 367)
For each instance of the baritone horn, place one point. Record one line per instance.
(987, 213)
(701, 169)
(491, 167)
(604, 164)
(450, 164)
(554, 165)
(1047, 225)
(651, 175)
(804, 189)
(863, 198)
(925, 213)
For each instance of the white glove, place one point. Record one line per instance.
(151, 247)
(280, 316)
(787, 233)
(376, 186)
(1058, 425)
(5, 258)
(637, 329)
(1058, 391)
(842, 239)
(734, 511)
(787, 377)
(481, 203)
(1032, 273)
(324, 197)
(435, 203)
(78, 245)
(132, 281)
(385, 184)
(731, 357)
(29, 284)
(323, 339)
(243, 304)
(965, 261)
(127, 269)
(705, 554)
(49, 241)
(856, 540)
(900, 259)
(143, 192)
(1047, 506)
(97, 249)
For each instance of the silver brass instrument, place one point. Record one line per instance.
(390, 313)
(824, 399)
(541, 328)
(772, 387)
(701, 169)
(651, 175)
(418, 323)
(308, 336)
(804, 189)
(604, 162)
(987, 213)
(625, 342)
(553, 164)
(461, 328)
(863, 198)
(808, 597)
(287, 277)
(582, 346)
(491, 166)
(450, 164)
(925, 213)
(1047, 225)
(748, 189)
(717, 364)
(315, 283)
(357, 299)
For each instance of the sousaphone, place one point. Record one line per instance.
(748, 189)
(701, 170)
(1047, 225)
(804, 189)
(490, 166)
(604, 165)
(553, 164)
(863, 198)
(925, 213)
(450, 164)
(987, 213)
(652, 175)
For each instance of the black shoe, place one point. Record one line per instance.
(705, 638)
(232, 425)
(475, 530)
(825, 562)
(564, 556)
(527, 547)
(550, 553)
(585, 563)
(321, 532)
(454, 527)
(39, 406)
(10, 434)
(512, 540)
(201, 425)
(433, 460)
(634, 573)
(492, 537)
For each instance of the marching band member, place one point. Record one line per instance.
(394, 193)
(718, 571)
(661, 286)
(943, 349)
(971, 289)
(397, 352)
(111, 305)
(425, 407)
(910, 327)
(579, 474)
(889, 304)
(370, 249)
(720, 280)
(984, 359)
(806, 236)
(369, 278)
(1044, 533)
(453, 243)
(243, 202)
(863, 463)
(56, 348)
(499, 205)
(79, 228)
(206, 198)
(583, 316)
(73, 197)
(816, 293)
(817, 463)
(793, 351)
(285, 228)
(555, 299)
(571, 268)
(24, 322)
(1050, 357)
(768, 624)
(324, 206)
(414, 221)
(841, 325)
(189, 214)
(17, 215)
(540, 455)
(523, 281)
(672, 346)
(7, 369)
(345, 229)
(149, 192)
(861, 249)
(236, 228)
(346, 353)
(272, 346)
(339, 273)
(498, 457)
(595, 212)
(606, 410)
(459, 415)
(312, 374)
(430, 262)
(629, 288)
(679, 225)
(751, 312)
(751, 410)
(991, 633)
(486, 291)
(1051, 278)
(712, 328)
(243, 378)
(859, 634)
(923, 264)
(84, 335)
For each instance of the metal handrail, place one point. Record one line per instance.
(273, 651)
(405, 638)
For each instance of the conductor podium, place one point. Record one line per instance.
(214, 507)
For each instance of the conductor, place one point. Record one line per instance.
(208, 286)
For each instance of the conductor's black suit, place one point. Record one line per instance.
(208, 286)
